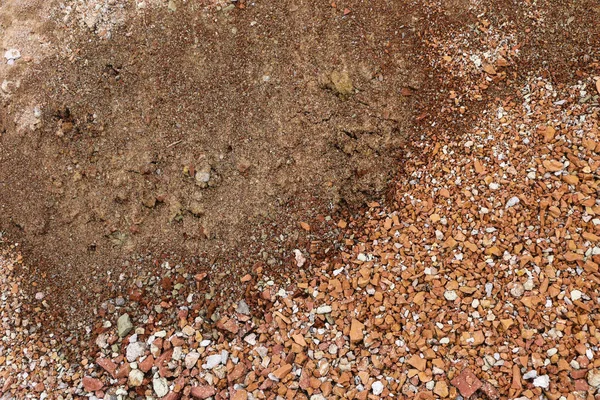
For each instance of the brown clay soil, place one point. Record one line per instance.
(205, 132)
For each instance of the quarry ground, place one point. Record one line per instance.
(299, 199)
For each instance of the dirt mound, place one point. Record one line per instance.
(191, 129)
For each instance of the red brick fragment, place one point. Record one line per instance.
(92, 384)
(466, 383)
(203, 392)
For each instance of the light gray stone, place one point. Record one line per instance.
(124, 325)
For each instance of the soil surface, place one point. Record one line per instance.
(202, 130)
(301, 200)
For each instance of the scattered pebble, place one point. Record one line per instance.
(517, 290)
(12, 55)
(450, 295)
(325, 309)
(542, 381)
(124, 325)
(160, 386)
(377, 388)
(136, 378)
(212, 361)
(513, 201)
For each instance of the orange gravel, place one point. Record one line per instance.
(477, 278)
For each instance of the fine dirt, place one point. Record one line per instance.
(201, 131)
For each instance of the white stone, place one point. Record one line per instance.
(593, 378)
(135, 377)
(530, 375)
(476, 60)
(575, 295)
(135, 350)
(160, 386)
(212, 361)
(488, 289)
(513, 201)
(203, 176)
(542, 381)
(243, 308)
(517, 290)
(191, 359)
(377, 388)
(300, 259)
(224, 356)
(450, 295)
(262, 351)
(324, 309)
(205, 343)
(529, 285)
(437, 371)
(344, 365)
(250, 339)
(12, 54)
(177, 353)
(101, 341)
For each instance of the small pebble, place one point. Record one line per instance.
(513, 201)
(324, 309)
(517, 290)
(542, 381)
(377, 388)
(450, 295)
(530, 375)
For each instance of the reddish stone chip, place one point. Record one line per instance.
(466, 383)
(92, 384)
(203, 392)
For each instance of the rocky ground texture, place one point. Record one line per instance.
(477, 278)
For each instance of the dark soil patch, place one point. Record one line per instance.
(203, 133)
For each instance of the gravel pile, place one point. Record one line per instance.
(478, 279)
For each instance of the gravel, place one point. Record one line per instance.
(450, 289)
(450, 295)
(124, 325)
(135, 350)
